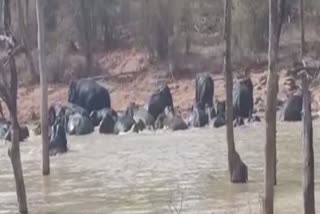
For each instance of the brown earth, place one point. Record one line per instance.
(130, 78)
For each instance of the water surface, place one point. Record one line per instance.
(162, 172)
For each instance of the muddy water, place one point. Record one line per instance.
(158, 173)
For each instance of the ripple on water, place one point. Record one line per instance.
(156, 172)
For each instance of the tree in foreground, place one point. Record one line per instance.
(44, 91)
(275, 23)
(308, 175)
(308, 154)
(302, 40)
(22, 18)
(8, 93)
(237, 169)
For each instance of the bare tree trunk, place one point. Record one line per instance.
(308, 178)
(14, 154)
(125, 11)
(188, 25)
(172, 36)
(87, 25)
(44, 91)
(26, 42)
(149, 26)
(1, 10)
(237, 169)
(271, 108)
(27, 13)
(14, 149)
(302, 42)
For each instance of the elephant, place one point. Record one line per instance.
(79, 125)
(98, 116)
(57, 139)
(4, 128)
(199, 117)
(73, 118)
(107, 124)
(170, 120)
(220, 119)
(89, 95)
(159, 100)
(5, 131)
(58, 114)
(159, 123)
(124, 124)
(204, 90)
(292, 109)
(140, 113)
(72, 108)
(134, 119)
(243, 98)
(57, 130)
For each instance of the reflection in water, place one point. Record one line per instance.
(157, 173)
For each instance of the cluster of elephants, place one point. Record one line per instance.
(89, 106)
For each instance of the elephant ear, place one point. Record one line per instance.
(71, 94)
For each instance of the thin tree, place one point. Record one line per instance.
(271, 108)
(26, 12)
(308, 175)
(188, 19)
(8, 93)
(302, 39)
(172, 34)
(86, 15)
(26, 41)
(237, 169)
(44, 90)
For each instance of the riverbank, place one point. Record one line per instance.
(130, 78)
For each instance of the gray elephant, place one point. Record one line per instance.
(98, 116)
(89, 95)
(292, 110)
(170, 120)
(57, 132)
(199, 117)
(57, 139)
(123, 124)
(140, 114)
(204, 92)
(159, 100)
(79, 125)
(107, 124)
(5, 131)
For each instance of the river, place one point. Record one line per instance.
(163, 172)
